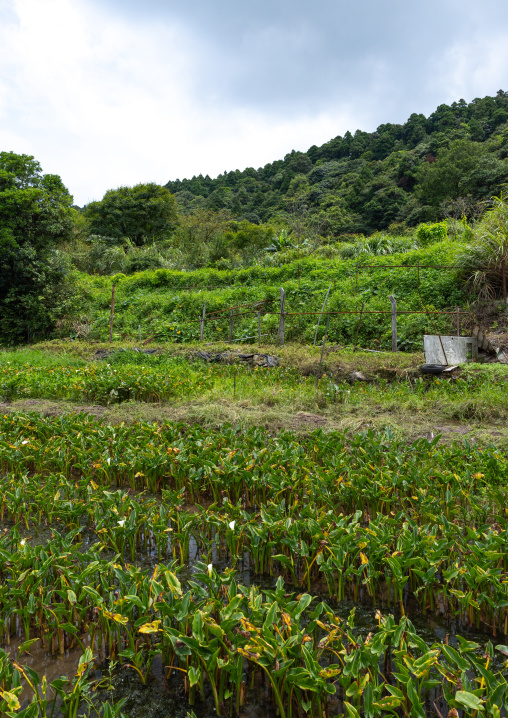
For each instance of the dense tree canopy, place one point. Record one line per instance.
(35, 217)
(364, 181)
(143, 213)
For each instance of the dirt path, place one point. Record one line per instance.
(216, 414)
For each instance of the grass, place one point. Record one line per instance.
(40, 357)
(156, 302)
(301, 394)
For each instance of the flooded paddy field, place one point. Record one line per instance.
(170, 570)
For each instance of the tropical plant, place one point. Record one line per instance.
(484, 260)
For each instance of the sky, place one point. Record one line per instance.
(108, 93)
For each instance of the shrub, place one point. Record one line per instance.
(431, 233)
(481, 261)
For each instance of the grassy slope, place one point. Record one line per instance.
(157, 302)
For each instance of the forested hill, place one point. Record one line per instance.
(427, 168)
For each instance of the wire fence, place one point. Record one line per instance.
(263, 308)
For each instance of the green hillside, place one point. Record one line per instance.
(168, 304)
(424, 169)
(423, 192)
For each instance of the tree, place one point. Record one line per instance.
(450, 176)
(143, 213)
(35, 217)
(201, 234)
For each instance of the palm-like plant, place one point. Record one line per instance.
(481, 262)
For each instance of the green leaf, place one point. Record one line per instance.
(388, 702)
(454, 657)
(24, 647)
(413, 696)
(351, 710)
(467, 646)
(197, 627)
(270, 618)
(469, 700)
(194, 675)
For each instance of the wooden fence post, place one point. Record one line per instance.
(112, 313)
(230, 325)
(202, 328)
(280, 334)
(358, 326)
(394, 322)
(321, 314)
(503, 272)
(259, 329)
(323, 349)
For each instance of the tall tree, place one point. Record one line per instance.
(143, 213)
(35, 217)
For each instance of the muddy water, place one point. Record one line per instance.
(162, 698)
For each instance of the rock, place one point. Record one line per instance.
(230, 357)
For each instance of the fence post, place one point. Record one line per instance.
(503, 272)
(358, 326)
(458, 322)
(321, 314)
(259, 329)
(323, 349)
(394, 322)
(202, 328)
(139, 328)
(280, 334)
(112, 313)
(230, 325)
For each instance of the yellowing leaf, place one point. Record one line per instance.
(118, 618)
(150, 627)
(11, 699)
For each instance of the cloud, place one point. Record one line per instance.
(119, 92)
(468, 67)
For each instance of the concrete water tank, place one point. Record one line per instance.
(457, 350)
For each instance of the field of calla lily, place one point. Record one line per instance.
(222, 564)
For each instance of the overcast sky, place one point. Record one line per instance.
(115, 92)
